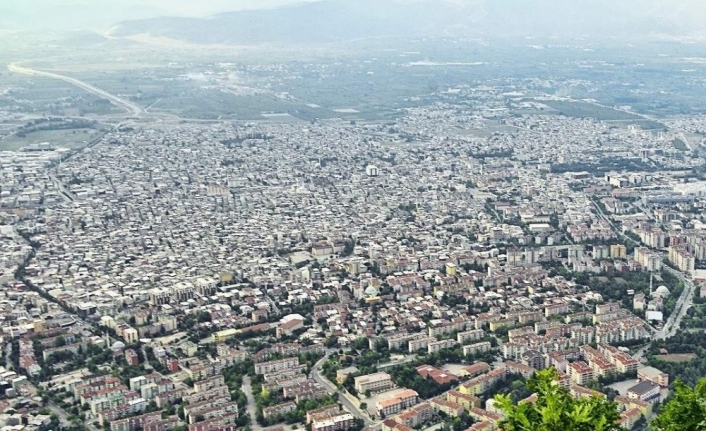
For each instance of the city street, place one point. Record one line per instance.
(252, 407)
(348, 401)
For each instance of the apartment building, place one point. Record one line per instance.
(209, 383)
(416, 344)
(450, 408)
(618, 251)
(580, 372)
(682, 258)
(629, 418)
(435, 346)
(279, 409)
(482, 383)
(470, 336)
(136, 422)
(214, 412)
(472, 349)
(400, 341)
(373, 382)
(397, 402)
(467, 401)
(276, 366)
(415, 415)
(216, 392)
(325, 410)
(624, 363)
(556, 309)
(649, 260)
(517, 368)
(339, 421)
(220, 423)
(653, 375)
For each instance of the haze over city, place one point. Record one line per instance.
(334, 215)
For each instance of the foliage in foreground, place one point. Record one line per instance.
(686, 411)
(555, 409)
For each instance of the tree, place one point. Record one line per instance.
(686, 411)
(556, 409)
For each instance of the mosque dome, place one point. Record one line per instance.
(661, 291)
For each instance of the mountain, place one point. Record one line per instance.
(330, 21)
(319, 22)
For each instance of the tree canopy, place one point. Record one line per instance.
(555, 409)
(686, 411)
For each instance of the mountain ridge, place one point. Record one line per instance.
(331, 21)
(323, 20)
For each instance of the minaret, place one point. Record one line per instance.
(651, 276)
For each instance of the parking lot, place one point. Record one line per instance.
(374, 398)
(623, 386)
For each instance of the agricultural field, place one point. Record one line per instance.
(50, 97)
(67, 138)
(589, 110)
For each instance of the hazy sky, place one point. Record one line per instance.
(175, 7)
(683, 16)
(99, 14)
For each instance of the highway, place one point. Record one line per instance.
(132, 108)
(66, 193)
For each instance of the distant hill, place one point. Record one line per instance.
(321, 22)
(331, 21)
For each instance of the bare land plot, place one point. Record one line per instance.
(67, 138)
(676, 357)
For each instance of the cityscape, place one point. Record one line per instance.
(291, 260)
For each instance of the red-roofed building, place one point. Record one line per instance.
(439, 376)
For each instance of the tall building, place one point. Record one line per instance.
(618, 251)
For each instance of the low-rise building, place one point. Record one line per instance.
(645, 391)
(373, 382)
(654, 375)
(397, 402)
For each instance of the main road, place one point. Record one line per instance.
(132, 108)
(684, 302)
(344, 398)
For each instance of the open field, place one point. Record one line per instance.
(680, 145)
(589, 110)
(47, 96)
(676, 357)
(69, 138)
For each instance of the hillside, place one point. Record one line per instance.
(332, 21)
